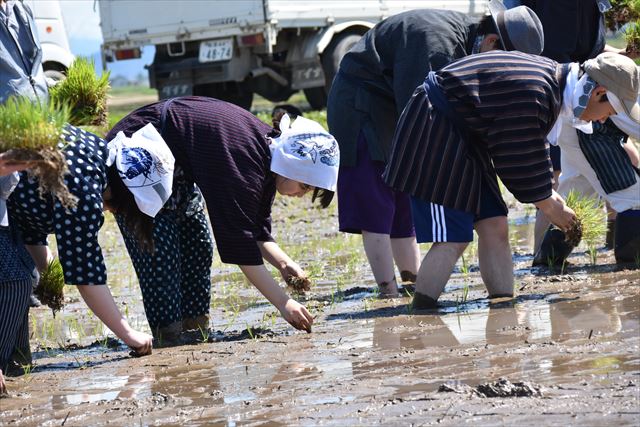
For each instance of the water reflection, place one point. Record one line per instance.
(501, 323)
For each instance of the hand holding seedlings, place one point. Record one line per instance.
(557, 211)
(31, 133)
(50, 289)
(295, 278)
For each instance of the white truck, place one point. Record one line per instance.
(231, 49)
(56, 56)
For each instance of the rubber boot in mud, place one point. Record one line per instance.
(611, 233)
(167, 336)
(199, 323)
(627, 239)
(423, 302)
(20, 361)
(554, 249)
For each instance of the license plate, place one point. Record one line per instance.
(216, 50)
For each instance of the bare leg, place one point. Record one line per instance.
(378, 249)
(406, 253)
(494, 254)
(436, 268)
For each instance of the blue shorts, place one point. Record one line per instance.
(436, 223)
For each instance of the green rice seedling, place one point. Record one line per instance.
(84, 92)
(465, 267)
(632, 36)
(591, 220)
(465, 293)
(204, 333)
(30, 133)
(250, 332)
(50, 289)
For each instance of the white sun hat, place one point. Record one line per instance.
(306, 152)
(145, 164)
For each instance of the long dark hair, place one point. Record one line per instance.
(124, 205)
(324, 196)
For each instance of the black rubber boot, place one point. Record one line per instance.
(554, 249)
(611, 233)
(167, 336)
(627, 240)
(423, 302)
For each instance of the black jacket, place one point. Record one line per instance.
(379, 74)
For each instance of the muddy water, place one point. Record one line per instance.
(368, 361)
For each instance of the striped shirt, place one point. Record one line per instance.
(508, 101)
(224, 150)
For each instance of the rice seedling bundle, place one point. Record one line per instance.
(30, 132)
(84, 92)
(50, 289)
(591, 219)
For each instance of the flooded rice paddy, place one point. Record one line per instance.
(573, 338)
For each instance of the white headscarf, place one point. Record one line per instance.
(575, 97)
(145, 164)
(306, 153)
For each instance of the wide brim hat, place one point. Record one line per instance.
(519, 28)
(619, 75)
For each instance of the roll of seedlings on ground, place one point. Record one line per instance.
(30, 132)
(50, 289)
(84, 92)
(299, 284)
(591, 219)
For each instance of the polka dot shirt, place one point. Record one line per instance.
(76, 230)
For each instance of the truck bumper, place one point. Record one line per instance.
(178, 78)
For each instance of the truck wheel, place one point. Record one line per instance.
(333, 54)
(235, 93)
(316, 97)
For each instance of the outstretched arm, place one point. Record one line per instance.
(292, 311)
(99, 299)
(275, 256)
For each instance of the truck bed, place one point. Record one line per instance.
(135, 23)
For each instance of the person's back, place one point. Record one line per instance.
(394, 56)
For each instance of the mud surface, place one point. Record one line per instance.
(565, 351)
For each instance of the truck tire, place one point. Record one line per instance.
(316, 97)
(239, 94)
(333, 54)
(55, 75)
